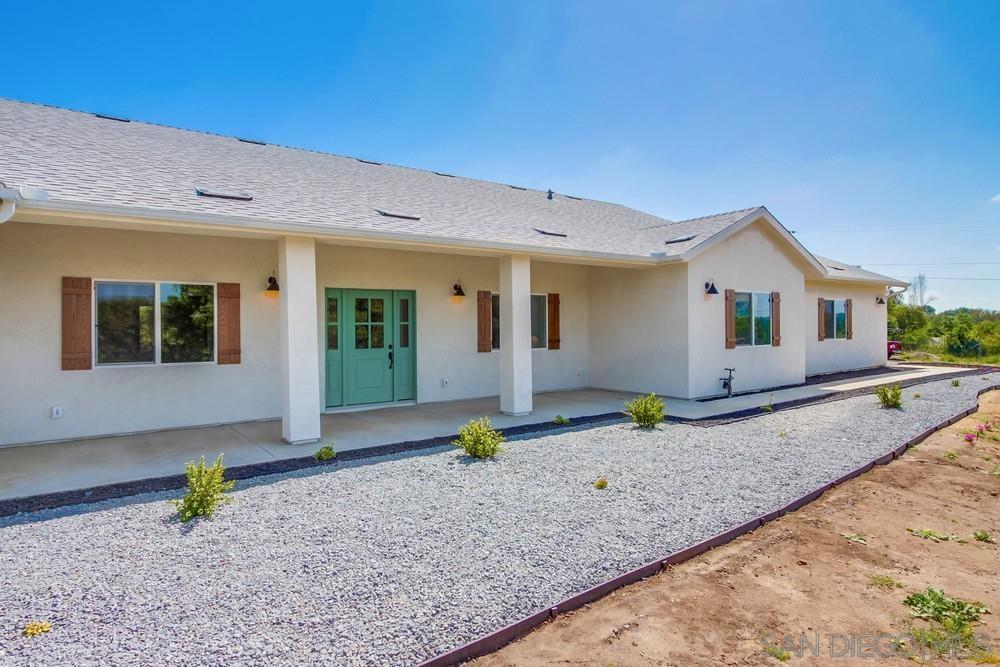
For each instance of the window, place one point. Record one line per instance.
(496, 321)
(835, 318)
(150, 323)
(539, 320)
(753, 318)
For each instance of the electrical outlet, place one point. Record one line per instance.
(57, 412)
(444, 382)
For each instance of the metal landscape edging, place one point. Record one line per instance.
(496, 640)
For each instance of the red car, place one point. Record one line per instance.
(894, 346)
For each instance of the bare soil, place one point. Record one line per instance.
(799, 574)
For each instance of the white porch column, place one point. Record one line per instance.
(299, 340)
(515, 334)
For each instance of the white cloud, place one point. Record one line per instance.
(995, 199)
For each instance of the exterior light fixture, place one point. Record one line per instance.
(272, 287)
(458, 293)
(880, 300)
(710, 287)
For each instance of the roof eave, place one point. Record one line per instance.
(242, 223)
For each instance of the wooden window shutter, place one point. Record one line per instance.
(730, 319)
(484, 314)
(554, 322)
(776, 319)
(77, 324)
(821, 320)
(849, 314)
(228, 310)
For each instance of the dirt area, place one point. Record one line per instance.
(801, 575)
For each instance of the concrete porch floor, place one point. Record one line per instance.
(62, 466)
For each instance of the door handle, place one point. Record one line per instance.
(390, 360)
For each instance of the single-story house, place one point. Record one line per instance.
(157, 278)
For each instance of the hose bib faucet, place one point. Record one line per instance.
(727, 383)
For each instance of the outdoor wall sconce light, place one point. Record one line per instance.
(458, 293)
(880, 300)
(710, 287)
(272, 286)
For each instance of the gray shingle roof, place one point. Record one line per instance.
(840, 271)
(83, 159)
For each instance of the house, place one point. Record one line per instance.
(156, 278)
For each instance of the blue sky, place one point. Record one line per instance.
(872, 129)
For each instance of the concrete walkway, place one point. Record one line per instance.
(45, 468)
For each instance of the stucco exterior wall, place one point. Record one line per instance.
(638, 329)
(752, 260)
(867, 347)
(109, 400)
(33, 260)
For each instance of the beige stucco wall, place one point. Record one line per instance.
(752, 260)
(638, 329)
(107, 400)
(33, 260)
(867, 346)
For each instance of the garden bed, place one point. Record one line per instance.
(399, 558)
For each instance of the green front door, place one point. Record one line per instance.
(368, 346)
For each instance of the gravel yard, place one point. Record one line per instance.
(393, 560)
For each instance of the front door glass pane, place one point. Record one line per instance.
(361, 337)
(331, 310)
(361, 310)
(378, 336)
(331, 337)
(377, 310)
(404, 335)
(404, 310)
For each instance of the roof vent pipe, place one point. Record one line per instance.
(550, 193)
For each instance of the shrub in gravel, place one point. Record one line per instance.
(601, 483)
(646, 411)
(479, 439)
(325, 453)
(561, 421)
(206, 490)
(956, 383)
(36, 628)
(890, 395)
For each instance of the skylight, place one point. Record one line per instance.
(542, 231)
(224, 194)
(403, 216)
(680, 239)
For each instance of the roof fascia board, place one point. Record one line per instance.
(154, 217)
(885, 281)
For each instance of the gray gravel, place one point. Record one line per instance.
(396, 559)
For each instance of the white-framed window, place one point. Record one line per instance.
(834, 319)
(153, 322)
(539, 321)
(753, 318)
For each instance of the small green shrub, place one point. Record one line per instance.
(854, 537)
(884, 581)
(984, 536)
(206, 490)
(934, 605)
(890, 396)
(776, 651)
(646, 411)
(479, 439)
(950, 455)
(916, 395)
(956, 383)
(562, 421)
(933, 535)
(601, 483)
(325, 453)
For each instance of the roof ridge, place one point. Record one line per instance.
(322, 152)
(716, 215)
